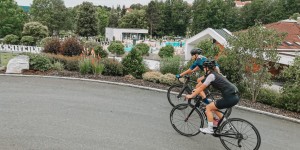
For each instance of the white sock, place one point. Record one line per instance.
(210, 125)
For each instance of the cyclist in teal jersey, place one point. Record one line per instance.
(198, 65)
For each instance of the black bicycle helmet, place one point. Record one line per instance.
(196, 51)
(209, 63)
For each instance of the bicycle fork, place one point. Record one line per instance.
(187, 118)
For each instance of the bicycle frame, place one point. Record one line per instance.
(186, 86)
(216, 134)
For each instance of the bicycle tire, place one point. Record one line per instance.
(177, 118)
(173, 92)
(234, 125)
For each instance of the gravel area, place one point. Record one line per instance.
(140, 82)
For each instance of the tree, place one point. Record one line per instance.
(133, 64)
(208, 48)
(86, 20)
(36, 30)
(295, 16)
(113, 18)
(103, 19)
(143, 48)
(167, 51)
(123, 11)
(51, 13)
(180, 17)
(137, 6)
(254, 52)
(199, 16)
(213, 14)
(134, 19)
(71, 18)
(153, 16)
(12, 18)
(116, 48)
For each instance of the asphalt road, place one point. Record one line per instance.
(42, 113)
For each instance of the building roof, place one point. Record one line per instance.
(224, 33)
(292, 39)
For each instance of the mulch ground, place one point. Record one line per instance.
(140, 82)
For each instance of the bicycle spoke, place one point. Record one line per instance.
(246, 135)
(183, 124)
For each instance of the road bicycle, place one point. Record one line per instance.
(234, 133)
(177, 92)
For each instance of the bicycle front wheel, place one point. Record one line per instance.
(176, 94)
(239, 134)
(186, 120)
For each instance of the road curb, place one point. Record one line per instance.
(152, 89)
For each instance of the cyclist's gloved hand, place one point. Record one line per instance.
(178, 76)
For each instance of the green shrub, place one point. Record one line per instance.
(291, 97)
(133, 64)
(44, 41)
(291, 92)
(70, 63)
(11, 39)
(90, 66)
(85, 66)
(58, 66)
(142, 48)
(152, 76)
(170, 65)
(52, 46)
(112, 67)
(168, 78)
(98, 68)
(36, 30)
(28, 40)
(268, 96)
(167, 51)
(90, 44)
(99, 51)
(116, 48)
(39, 62)
(71, 47)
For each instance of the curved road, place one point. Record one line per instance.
(43, 113)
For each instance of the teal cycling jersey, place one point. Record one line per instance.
(199, 62)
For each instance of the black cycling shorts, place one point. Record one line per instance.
(227, 101)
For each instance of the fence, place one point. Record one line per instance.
(20, 48)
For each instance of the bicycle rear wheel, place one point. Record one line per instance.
(240, 134)
(186, 120)
(173, 94)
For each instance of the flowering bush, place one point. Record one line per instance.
(152, 76)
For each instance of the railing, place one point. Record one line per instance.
(20, 48)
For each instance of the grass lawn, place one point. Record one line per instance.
(5, 57)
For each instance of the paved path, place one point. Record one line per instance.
(42, 113)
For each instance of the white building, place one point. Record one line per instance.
(219, 35)
(122, 34)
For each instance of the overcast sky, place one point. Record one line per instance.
(109, 3)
